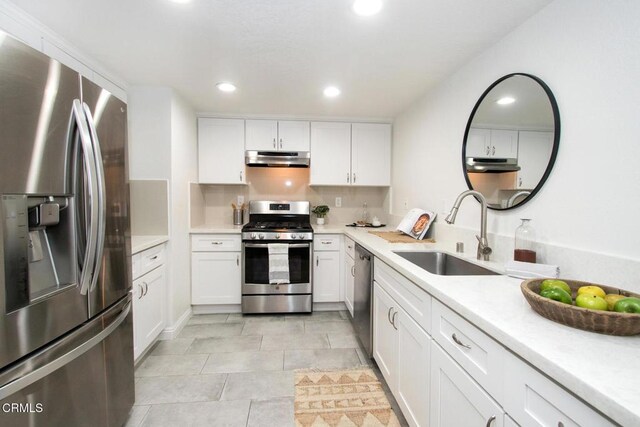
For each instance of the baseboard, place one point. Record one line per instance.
(329, 306)
(172, 331)
(217, 308)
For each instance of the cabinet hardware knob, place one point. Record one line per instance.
(393, 321)
(490, 420)
(155, 257)
(460, 343)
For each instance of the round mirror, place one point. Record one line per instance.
(511, 140)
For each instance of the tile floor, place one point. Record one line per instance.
(234, 370)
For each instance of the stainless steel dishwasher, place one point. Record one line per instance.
(362, 298)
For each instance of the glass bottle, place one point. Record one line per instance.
(525, 242)
(365, 213)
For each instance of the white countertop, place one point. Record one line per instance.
(216, 229)
(601, 369)
(141, 243)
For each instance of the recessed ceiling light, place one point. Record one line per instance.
(505, 100)
(367, 7)
(331, 91)
(226, 87)
(180, 1)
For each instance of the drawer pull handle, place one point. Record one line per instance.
(216, 243)
(461, 344)
(317, 260)
(389, 315)
(238, 260)
(324, 242)
(141, 291)
(490, 420)
(353, 270)
(146, 288)
(155, 257)
(393, 321)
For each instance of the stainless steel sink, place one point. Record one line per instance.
(444, 264)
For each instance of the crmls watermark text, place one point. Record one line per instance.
(22, 408)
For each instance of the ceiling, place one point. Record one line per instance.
(282, 53)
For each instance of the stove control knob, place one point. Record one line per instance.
(261, 236)
(254, 236)
(277, 235)
(294, 236)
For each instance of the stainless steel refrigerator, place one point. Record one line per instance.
(66, 339)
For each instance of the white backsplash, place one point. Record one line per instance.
(286, 184)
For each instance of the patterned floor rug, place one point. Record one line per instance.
(342, 398)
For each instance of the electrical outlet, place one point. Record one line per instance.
(240, 200)
(338, 202)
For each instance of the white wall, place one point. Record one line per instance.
(588, 52)
(184, 169)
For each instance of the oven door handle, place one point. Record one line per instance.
(264, 245)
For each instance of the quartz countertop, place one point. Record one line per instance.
(216, 229)
(141, 243)
(601, 369)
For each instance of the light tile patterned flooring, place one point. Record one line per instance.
(235, 370)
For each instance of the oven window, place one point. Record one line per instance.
(256, 265)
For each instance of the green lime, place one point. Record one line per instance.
(557, 294)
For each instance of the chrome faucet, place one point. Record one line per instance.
(484, 251)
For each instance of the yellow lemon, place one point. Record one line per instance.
(612, 299)
(592, 290)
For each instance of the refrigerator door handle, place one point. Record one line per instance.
(30, 378)
(89, 259)
(102, 208)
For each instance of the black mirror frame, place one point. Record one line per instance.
(556, 136)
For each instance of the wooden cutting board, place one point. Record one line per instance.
(399, 237)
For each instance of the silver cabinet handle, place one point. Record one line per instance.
(353, 270)
(354, 178)
(348, 175)
(460, 343)
(325, 242)
(280, 142)
(155, 257)
(389, 314)
(493, 151)
(146, 289)
(274, 143)
(141, 292)
(490, 420)
(238, 260)
(519, 182)
(487, 150)
(317, 260)
(393, 321)
(240, 176)
(216, 243)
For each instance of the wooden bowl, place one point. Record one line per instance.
(603, 322)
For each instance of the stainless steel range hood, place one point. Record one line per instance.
(491, 165)
(278, 159)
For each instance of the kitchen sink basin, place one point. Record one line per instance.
(444, 264)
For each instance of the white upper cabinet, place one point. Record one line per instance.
(330, 153)
(371, 154)
(272, 135)
(350, 154)
(221, 151)
(499, 143)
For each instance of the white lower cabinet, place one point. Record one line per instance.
(349, 274)
(148, 298)
(456, 399)
(402, 350)
(327, 271)
(216, 272)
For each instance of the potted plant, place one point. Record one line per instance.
(320, 211)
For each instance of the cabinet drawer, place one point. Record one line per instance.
(326, 242)
(349, 247)
(215, 243)
(415, 301)
(534, 400)
(151, 258)
(481, 356)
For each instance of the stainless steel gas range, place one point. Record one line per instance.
(282, 227)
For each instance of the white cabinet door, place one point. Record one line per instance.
(326, 276)
(293, 136)
(370, 154)
(148, 303)
(215, 278)
(330, 153)
(478, 143)
(349, 267)
(385, 336)
(414, 359)
(504, 143)
(456, 399)
(262, 135)
(221, 151)
(534, 152)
